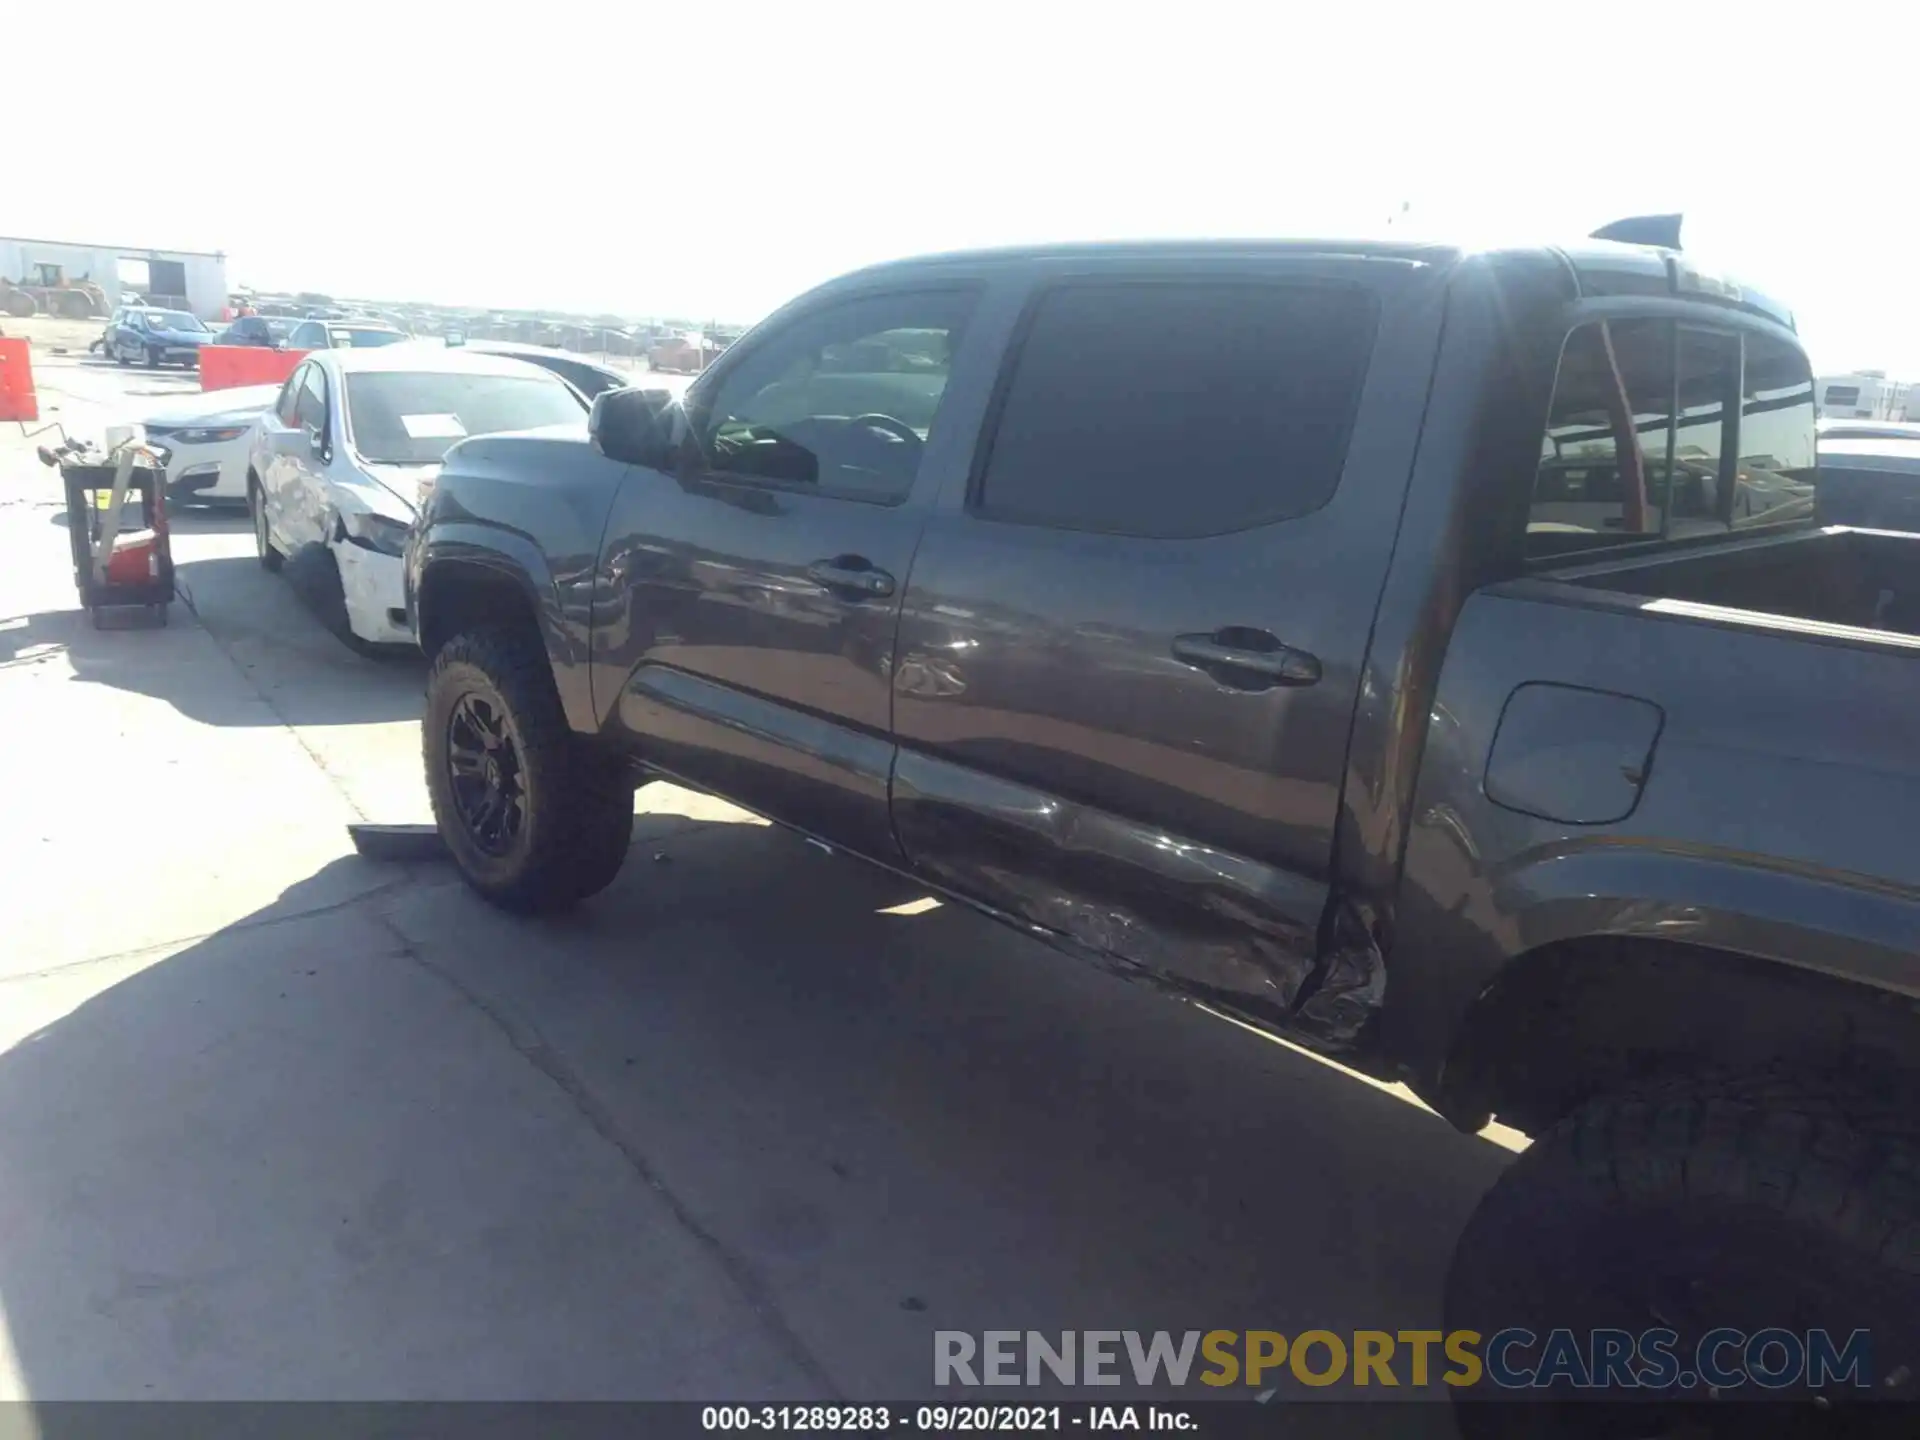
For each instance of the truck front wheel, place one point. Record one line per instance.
(1705, 1240)
(535, 817)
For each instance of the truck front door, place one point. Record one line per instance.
(756, 588)
(1131, 644)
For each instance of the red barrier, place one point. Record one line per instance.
(17, 400)
(224, 366)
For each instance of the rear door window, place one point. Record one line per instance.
(1178, 409)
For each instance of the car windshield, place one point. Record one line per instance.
(355, 337)
(413, 417)
(173, 320)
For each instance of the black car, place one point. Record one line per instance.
(268, 330)
(590, 379)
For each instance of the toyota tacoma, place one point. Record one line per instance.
(1432, 657)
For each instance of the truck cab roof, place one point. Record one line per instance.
(1597, 268)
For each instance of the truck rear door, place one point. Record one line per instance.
(1131, 643)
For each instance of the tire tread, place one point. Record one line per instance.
(1836, 1160)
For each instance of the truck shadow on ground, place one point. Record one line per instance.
(411, 1147)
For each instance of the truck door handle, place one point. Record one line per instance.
(1247, 659)
(852, 575)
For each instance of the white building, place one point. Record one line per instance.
(1866, 395)
(190, 279)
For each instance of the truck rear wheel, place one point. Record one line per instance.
(535, 817)
(1749, 1205)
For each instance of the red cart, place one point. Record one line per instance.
(117, 527)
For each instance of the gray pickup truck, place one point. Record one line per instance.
(1431, 657)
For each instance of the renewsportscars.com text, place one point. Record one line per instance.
(1511, 1359)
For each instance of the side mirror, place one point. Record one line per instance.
(633, 426)
(317, 441)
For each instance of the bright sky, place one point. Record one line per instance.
(711, 159)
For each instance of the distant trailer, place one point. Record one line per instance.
(1866, 395)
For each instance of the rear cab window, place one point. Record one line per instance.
(1665, 431)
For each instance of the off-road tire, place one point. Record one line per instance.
(578, 819)
(1749, 1202)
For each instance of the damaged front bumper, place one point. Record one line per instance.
(373, 584)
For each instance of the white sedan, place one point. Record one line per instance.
(206, 440)
(338, 464)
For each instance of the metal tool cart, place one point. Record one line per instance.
(114, 566)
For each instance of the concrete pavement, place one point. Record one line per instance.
(276, 1122)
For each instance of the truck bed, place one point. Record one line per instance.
(1860, 580)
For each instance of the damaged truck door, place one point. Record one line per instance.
(1130, 646)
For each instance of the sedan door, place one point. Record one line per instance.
(293, 478)
(754, 587)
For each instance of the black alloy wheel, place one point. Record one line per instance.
(485, 774)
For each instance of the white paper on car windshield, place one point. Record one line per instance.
(433, 427)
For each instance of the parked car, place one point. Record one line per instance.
(1197, 615)
(586, 376)
(159, 337)
(104, 345)
(339, 461)
(1871, 482)
(205, 440)
(342, 334)
(268, 330)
